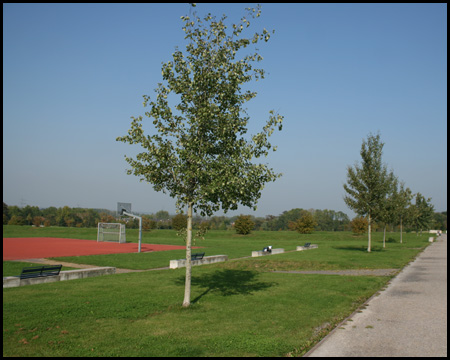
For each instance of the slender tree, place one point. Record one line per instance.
(402, 199)
(421, 213)
(200, 153)
(388, 207)
(368, 183)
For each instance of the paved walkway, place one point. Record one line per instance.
(409, 318)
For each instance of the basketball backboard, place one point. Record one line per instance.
(121, 207)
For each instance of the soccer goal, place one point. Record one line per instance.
(113, 232)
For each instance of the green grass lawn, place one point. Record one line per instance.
(234, 313)
(239, 308)
(337, 250)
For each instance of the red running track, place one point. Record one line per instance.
(39, 247)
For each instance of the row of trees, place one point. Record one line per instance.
(78, 217)
(301, 220)
(376, 194)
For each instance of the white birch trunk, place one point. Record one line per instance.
(187, 286)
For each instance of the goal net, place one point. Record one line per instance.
(113, 232)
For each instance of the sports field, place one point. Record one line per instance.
(45, 247)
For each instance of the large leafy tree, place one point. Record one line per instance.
(199, 151)
(368, 183)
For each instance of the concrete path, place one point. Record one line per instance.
(409, 318)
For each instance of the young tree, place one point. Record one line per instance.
(388, 206)
(367, 184)
(199, 153)
(421, 213)
(402, 200)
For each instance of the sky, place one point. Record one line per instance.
(75, 74)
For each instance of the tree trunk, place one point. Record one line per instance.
(384, 237)
(369, 230)
(187, 286)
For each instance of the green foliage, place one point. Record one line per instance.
(420, 215)
(244, 224)
(305, 224)
(359, 225)
(5, 214)
(16, 220)
(368, 184)
(440, 220)
(148, 223)
(199, 153)
(179, 222)
(330, 220)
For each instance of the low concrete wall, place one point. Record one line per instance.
(312, 246)
(175, 264)
(262, 253)
(14, 281)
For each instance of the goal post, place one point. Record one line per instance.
(112, 232)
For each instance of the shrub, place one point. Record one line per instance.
(305, 224)
(359, 225)
(244, 225)
(179, 222)
(16, 220)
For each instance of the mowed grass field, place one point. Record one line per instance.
(239, 308)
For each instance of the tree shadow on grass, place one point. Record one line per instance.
(228, 282)
(362, 248)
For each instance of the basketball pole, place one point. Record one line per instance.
(140, 226)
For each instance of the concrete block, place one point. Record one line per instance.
(312, 246)
(14, 281)
(85, 273)
(175, 264)
(11, 281)
(262, 253)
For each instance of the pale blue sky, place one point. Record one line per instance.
(74, 74)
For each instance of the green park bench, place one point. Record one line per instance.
(40, 271)
(197, 256)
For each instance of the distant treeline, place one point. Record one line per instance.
(327, 220)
